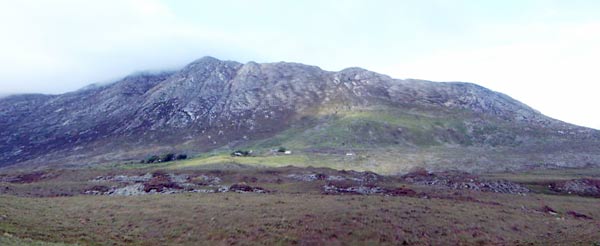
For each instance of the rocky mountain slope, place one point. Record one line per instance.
(219, 105)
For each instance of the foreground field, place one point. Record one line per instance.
(51, 208)
(297, 219)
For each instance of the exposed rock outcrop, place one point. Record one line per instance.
(212, 103)
(582, 187)
(464, 181)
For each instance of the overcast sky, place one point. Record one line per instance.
(544, 53)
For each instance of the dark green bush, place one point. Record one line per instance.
(164, 158)
(167, 157)
(153, 159)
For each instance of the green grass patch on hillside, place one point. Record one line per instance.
(369, 128)
(533, 176)
(384, 161)
(269, 161)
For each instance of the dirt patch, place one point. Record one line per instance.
(401, 191)
(160, 182)
(548, 210)
(578, 215)
(361, 177)
(97, 189)
(244, 188)
(308, 177)
(30, 177)
(205, 180)
(345, 187)
(124, 178)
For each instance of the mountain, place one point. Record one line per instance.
(214, 105)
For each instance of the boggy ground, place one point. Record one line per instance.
(293, 206)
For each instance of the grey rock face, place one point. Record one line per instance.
(212, 103)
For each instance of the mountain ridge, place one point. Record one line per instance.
(212, 104)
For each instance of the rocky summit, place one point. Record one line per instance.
(370, 119)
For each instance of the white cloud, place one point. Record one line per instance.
(555, 73)
(54, 46)
(57, 46)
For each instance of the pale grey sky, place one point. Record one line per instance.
(542, 52)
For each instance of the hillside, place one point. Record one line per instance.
(386, 124)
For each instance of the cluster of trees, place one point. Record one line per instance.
(164, 158)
